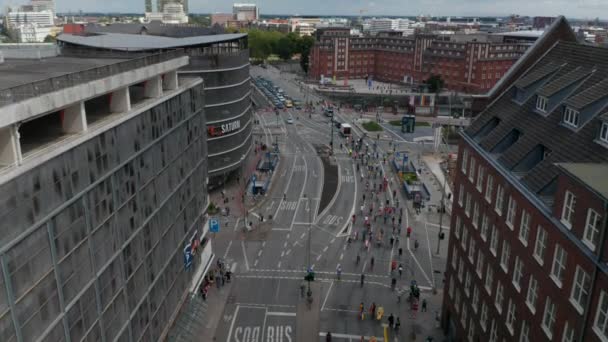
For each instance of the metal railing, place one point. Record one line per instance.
(26, 91)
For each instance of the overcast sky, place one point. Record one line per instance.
(571, 8)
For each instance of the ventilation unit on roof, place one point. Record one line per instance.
(506, 142)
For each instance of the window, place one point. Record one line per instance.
(518, 272)
(559, 265)
(571, 117)
(471, 249)
(475, 215)
(457, 301)
(540, 245)
(489, 280)
(532, 294)
(480, 172)
(511, 211)
(568, 209)
(483, 318)
(457, 227)
(499, 199)
(524, 227)
(500, 291)
(479, 267)
(600, 326)
(510, 317)
(549, 318)
(592, 229)
(463, 316)
(467, 284)
(454, 256)
(494, 332)
(461, 269)
(505, 255)
(541, 103)
(471, 330)
(461, 195)
(451, 288)
(489, 188)
(580, 289)
(485, 224)
(465, 157)
(475, 301)
(604, 132)
(568, 335)
(524, 336)
(472, 169)
(467, 206)
(494, 240)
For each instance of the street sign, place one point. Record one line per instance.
(214, 225)
(188, 256)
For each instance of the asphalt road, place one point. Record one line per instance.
(263, 301)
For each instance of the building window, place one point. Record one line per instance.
(580, 289)
(571, 117)
(500, 290)
(483, 318)
(499, 199)
(604, 132)
(568, 209)
(504, 257)
(471, 331)
(510, 317)
(465, 236)
(592, 229)
(467, 206)
(489, 279)
(472, 169)
(524, 336)
(457, 227)
(461, 195)
(475, 221)
(461, 269)
(494, 240)
(451, 288)
(540, 245)
(518, 272)
(549, 318)
(463, 316)
(541, 103)
(489, 188)
(494, 332)
(480, 173)
(568, 335)
(454, 256)
(467, 284)
(532, 294)
(485, 224)
(465, 157)
(472, 249)
(600, 326)
(511, 211)
(457, 301)
(479, 266)
(475, 301)
(524, 227)
(559, 265)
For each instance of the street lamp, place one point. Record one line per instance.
(310, 275)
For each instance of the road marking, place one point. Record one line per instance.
(255, 264)
(283, 229)
(279, 265)
(430, 256)
(287, 238)
(282, 254)
(341, 256)
(236, 311)
(285, 244)
(287, 186)
(237, 223)
(420, 267)
(319, 257)
(327, 295)
(259, 253)
(288, 251)
(263, 244)
(325, 248)
(284, 314)
(333, 240)
(227, 249)
(245, 255)
(302, 236)
(348, 336)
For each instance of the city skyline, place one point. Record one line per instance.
(582, 9)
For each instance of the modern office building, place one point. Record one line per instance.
(527, 248)
(222, 61)
(466, 65)
(18, 18)
(245, 12)
(103, 172)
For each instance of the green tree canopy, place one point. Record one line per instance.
(435, 83)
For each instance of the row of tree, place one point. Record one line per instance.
(262, 44)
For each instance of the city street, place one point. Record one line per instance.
(270, 266)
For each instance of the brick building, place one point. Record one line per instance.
(527, 250)
(467, 63)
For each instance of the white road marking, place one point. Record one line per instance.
(245, 255)
(319, 257)
(236, 312)
(341, 256)
(255, 264)
(279, 265)
(259, 253)
(286, 186)
(227, 249)
(282, 254)
(285, 314)
(430, 256)
(325, 249)
(288, 251)
(327, 295)
(236, 224)
(302, 236)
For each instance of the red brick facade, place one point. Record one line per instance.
(472, 67)
(581, 256)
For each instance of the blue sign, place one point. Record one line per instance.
(188, 256)
(214, 225)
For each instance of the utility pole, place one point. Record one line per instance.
(309, 291)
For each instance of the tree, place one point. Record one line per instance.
(49, 39)
(304, 46)
(285, 48)
(434, 83)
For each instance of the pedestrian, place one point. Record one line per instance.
(328, 337)
(391, 320)
(392, 240)
(416, 244)
(399, 223)
(423, 305)
(339, 271)
(393, 283)
(400, 270)
(372, 309)
(218, 280)
(400, 252)
(371, 264)
(409, 231)
(361, 311)
(362, 279)
(358, 259)
(397, 324)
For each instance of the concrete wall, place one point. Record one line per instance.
(91, 241)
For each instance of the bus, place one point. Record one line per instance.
(288, 103)
(345, 130)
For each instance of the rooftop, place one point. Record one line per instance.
(523, 34)
(593, 175)
(139, 42)
(16, 72)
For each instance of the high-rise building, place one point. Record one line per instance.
(245, 12)
(148, 6)
(103, 187)
(528, 237)
(44, 5)
(160, 5)
(42, 18)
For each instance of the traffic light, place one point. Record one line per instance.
(441, 236)
(310, 276)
